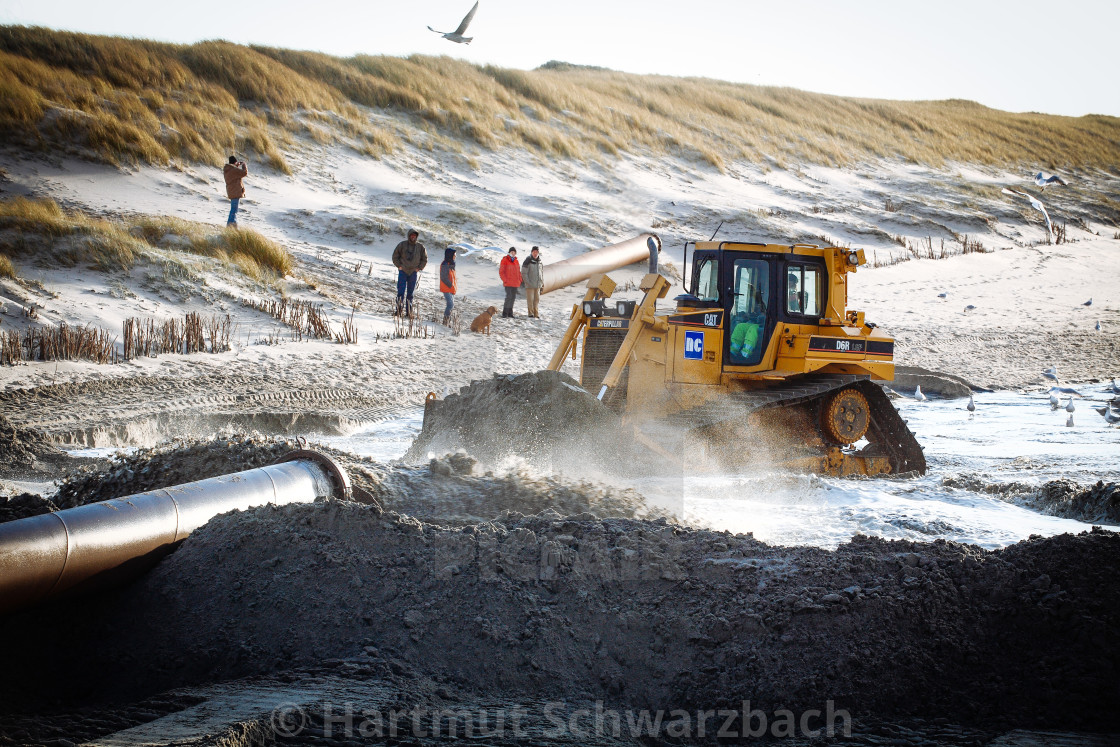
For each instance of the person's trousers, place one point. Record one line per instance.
(232, 220)
(406, 286)
(532, 299)
(450, 298)
(511, 296)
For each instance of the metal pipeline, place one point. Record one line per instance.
(575, 269)
(99, 544)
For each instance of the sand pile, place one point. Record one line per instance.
(535, 416)
(642, 613)
(25, 451)
(23, 505)
(450, 488)
(1099, 503)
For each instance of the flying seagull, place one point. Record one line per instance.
(1045, 180)
(1051, 373)
(1034, 203)
(457, 34)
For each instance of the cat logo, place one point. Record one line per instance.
(693, 346)
(711, 320)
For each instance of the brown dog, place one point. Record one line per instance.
(481, 322)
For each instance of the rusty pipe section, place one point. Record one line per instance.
(99, 544)
(577, 269)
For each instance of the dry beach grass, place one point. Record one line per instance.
(131, 101)
(41, 229)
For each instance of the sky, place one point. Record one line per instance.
(1057, 58)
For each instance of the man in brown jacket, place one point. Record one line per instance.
(234, 172)
(410, 257)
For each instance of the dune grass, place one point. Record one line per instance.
(6, 269)
(134, 101)
(41, 228)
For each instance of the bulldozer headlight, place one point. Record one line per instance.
(852, 258)
(625, 308)
(594, 308)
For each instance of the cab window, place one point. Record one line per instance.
(803, 290)
(707, 280)
(748, 312)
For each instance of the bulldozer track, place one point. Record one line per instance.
(887, 433)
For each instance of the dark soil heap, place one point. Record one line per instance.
(1099, 503)
(450, 488)
(534, 416)
(25, 451)
(639, 613)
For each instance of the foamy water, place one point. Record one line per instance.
(1011, 438)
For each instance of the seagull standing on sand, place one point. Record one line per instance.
(457, 35)
(971, 405)
(918, 394)
(1045, 180)
(1069, 421)
(1034, 203)
(969, 308)
(1115, 389)
(1055, 403)
(1088, 303)
(1098, 326)
(1069, 405)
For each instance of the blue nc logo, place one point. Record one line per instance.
(694, 346)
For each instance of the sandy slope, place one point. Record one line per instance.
(340, 209)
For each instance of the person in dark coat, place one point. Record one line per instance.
(410, 257)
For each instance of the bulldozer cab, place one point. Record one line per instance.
(756, 291)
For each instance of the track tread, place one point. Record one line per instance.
(887, 431)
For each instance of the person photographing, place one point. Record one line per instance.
(234, 172)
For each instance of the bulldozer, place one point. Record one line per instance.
(758, 354)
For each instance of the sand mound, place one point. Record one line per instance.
(535, 416)
(1099, 503)
(635, 612)
(450, 488)
(25, 450)
(24, 505)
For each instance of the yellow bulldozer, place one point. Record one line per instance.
(759, 356)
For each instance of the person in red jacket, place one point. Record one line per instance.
(447, 283)
(510, 272)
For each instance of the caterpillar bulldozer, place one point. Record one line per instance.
(759, 355)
